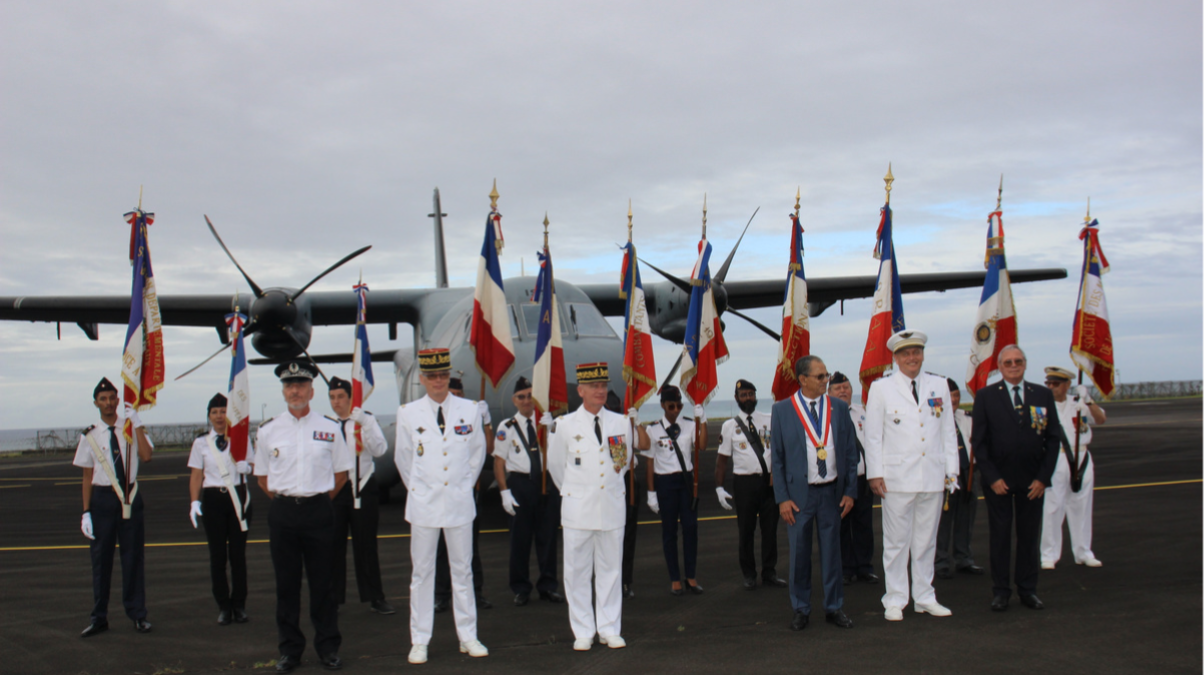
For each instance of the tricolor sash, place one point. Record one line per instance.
(809, 424)
(103, 460)
(224, 468)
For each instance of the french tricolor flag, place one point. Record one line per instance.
(490, 337)
(704, 347)
(796, 327)
(142, 366)
(639, 368)
(548, 386)
(887, 318)
(996, 324)
(1091, 346)
(238, 402)
(361, 359)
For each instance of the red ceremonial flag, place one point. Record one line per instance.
(796, 328)
(1091, 345)
(639, 368)
(887, 318)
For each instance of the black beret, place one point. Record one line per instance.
(953, 385)
(838, 378)
(218, 401)
(521, 383)
(670, 393)
(102, 386)
(340, 383)
(746, 386)
(455, 383)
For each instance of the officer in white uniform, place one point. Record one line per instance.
(910, 460)
(857, 528)
(218, 488)
(302, 461)
(357, 505)
(744, 443)
(1062, 500)
(109, 518)
(671, 485)
(530, 497)
(439, 454)
(589, 455)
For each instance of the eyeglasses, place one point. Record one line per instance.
(1012, 362)
(1056, 383)
(522, 397)
(672, 405)
(821, 377)
(438, 375)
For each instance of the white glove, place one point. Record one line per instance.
(723, 497)
(700, 415)
(951, 484)
(242, 467)
(357, 416)
(1084, 395)
(652, 503)
(549, 422)
(508, 502)
(633, 415)
(193, 512)
(132, 415)
(85, 526)
(483, 409)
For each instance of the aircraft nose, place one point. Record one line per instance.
(274, 309)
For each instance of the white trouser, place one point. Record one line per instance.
(1075, 507)
(909, 526)
(598, 553)
(424, 542)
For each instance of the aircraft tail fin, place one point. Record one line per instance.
(440, 252)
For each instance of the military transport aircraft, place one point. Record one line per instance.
(281, 319)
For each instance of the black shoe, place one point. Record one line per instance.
(331, 662)
(521, 599)
(868, 577)
(694, 588)
(240, 615)
(971, 569)
(838, 619)
(287, 664)
(1032, 602)
(627, 592)
(999, 604)
(482, 603)
(97, 627)
(774, 580)
(383, 607)
(799, 621)
(850, 579)
(442, 605)
(750, 583)
(142, 625)
(944, 573)
(223, 618)
(551, 596)
(676, 591)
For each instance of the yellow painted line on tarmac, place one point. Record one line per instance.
(5, 549)
(14, 486)
(1146, 424)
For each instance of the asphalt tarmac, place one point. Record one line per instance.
(1141, 612)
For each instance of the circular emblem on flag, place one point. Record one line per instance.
(982, 333)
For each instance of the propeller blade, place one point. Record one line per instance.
(722, 274)
(289, 331)
(224, 348)
(254, 286)
(672, 371)
(328, 271)
(764, 329)
(683, 285)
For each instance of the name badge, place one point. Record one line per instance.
(463, 429)
(577, 461)
(325, 436)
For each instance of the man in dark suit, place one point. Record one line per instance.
(1015, 442)
(815, 464)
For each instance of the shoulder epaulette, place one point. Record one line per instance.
(510, 423)
(266, 422)
(202, 434)
(367, 412)
(655, 423)
(85, 432)
(333, 420)
(688, 419)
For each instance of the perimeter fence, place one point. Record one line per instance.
(66, 439)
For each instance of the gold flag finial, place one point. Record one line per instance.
(704, 215)
(493, 195)
(139, 197)
(629, 220)
(798, 193)
(999, 199)
(888, 178)
(546, 222)
(1087, 218)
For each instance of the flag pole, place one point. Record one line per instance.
(1078, 434)
(630, 469)
(543, 452)
(698, 423)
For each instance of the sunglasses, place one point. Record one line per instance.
(821, 377)
(1012, 362)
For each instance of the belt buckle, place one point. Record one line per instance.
(223, 490)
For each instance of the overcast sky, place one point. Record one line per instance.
(306, 130)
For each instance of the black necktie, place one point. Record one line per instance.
(598, 428)
(533, 448)
(914, 394)
(221, 442)
(439, 419)
(821, 465)
(1016, 401)
(673, 430)
(118, 464)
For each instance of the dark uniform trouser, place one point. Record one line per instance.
(362, 523)
(676, 500)
(111, 530)
(227, 542)
(536, 517)
(443, 584)
(755, 503)
(300, 531)
(630, 528)
(1026, 513)
(857, 533)
(955, 530)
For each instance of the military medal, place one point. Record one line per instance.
(804, 416)
(937, 405)
(419, 450)
(618, 451)
(275, 452)
(820, 453)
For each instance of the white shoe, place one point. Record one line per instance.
(1091, 562)
(418, 654)
(614, 642)
(935, 609)
(1047, 564)
(893, 614)
(474, 648)
(583, 644)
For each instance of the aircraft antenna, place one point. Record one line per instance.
(888, 179)
(440, 253)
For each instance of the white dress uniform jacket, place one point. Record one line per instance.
(732, 443)
(300, 456)
(440, 469)
(593, 493)
(661, 449)
(912, 446)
